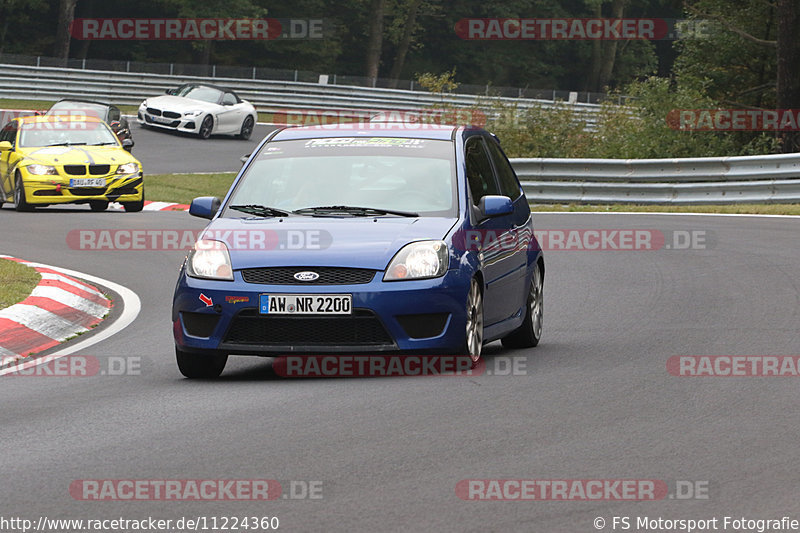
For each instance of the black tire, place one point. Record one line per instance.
(21, 204)
(205, 127)
(134, 207)
(247, 128)
(98, 205)
(530, 332)
(195, 366)
(473, 334)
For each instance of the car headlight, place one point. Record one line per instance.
(209, 259)
(418, 260)
(193, 113)
(128, 168)
(42, 170)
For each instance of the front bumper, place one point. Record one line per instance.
(424, 315)
(181, 123)
(46, 190)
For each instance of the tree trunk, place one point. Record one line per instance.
(66, 13)
(597, 54)
(609, 49)
(788, 91)
(375, 38)
(405, 43)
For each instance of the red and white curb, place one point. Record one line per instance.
(154, 206)
(59, 307)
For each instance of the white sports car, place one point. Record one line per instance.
(201, 109)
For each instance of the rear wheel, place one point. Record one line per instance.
(197, 366)
(205, 127)
(247, 128)
(19, 196)
(529, 333)
(98, 205)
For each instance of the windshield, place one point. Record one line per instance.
(411, 175)
(200, 92)
(65, 133)
(78, 108)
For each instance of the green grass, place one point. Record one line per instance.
(181, 188)
(16, 282)
(752, 209)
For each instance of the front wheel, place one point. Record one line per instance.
(205, 127)
(98, 205)
(473, 338)
(247, 128)
(529, 333)
(197, 366)
(134, 207)
(20, 202)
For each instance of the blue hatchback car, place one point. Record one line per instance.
(382, 237)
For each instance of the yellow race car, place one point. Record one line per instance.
(72, 159)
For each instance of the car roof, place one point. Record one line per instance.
(83, 101)
(211, 85)
(369, 129)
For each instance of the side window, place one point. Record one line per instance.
(9, 133)
(229, 99)
(509, 186)
(479, 170)
(113, 114)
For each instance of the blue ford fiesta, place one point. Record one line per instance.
(386, 237)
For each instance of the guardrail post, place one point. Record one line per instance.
(170, 68)
(214, 71)
(254, 72)
(38, 61)
(127, 66)
(295, 74)
(83, 63)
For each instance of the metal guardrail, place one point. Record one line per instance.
(19, 81)
(704, 180)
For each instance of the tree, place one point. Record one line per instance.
(375, 38)
(66, 14)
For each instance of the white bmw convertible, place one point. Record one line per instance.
(201, 109)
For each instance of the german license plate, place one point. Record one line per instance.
(305, 304)
(162, 120)
(87, 182)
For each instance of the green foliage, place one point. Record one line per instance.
(638, 129)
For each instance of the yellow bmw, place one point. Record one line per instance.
(72, 159)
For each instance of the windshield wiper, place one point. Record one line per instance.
(260, 210)
(103, 144)
(352, 210)
(67, 144)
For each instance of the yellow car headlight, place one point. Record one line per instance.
(42, 170)
(128, 168)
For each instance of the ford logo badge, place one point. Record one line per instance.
(306, 276)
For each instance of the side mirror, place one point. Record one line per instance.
(244, 158)
(170, 91)
(5, 145)
(205, 207)
(127, 144)
(495, 206)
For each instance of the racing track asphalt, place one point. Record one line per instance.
(219, 153)
(596, 402)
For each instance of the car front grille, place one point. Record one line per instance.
(171, 114)
(99, 170)
(362, 328)
(153, 111)
(87, 191)
(75, 170)
(327, 275)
